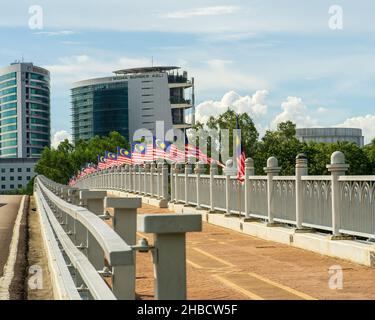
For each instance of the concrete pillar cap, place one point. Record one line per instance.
(337, 158)
(272, 162)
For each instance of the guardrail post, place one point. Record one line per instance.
(188, 170)
(199, 169)
(127, 178)
(272, 170)
(152, 177)
(301, 170)
(125, 225)
(73, 196)
(213, 173)
(337, 168)
(169, 254)
(249, 171)
(94, 202)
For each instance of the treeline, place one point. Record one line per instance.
(62, 163)
(283, 144)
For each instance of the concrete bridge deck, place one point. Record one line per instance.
(224, 264)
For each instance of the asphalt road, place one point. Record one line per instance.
(8, 214)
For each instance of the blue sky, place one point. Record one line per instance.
(277, 60)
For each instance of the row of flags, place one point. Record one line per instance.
(159, 149)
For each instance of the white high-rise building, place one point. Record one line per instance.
(132, 99)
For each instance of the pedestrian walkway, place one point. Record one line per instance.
(224, 264)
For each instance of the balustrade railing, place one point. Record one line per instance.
(335, 203)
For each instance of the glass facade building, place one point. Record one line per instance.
(132, 99)
(99, 109)
(24, 111)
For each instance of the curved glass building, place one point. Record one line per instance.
(24, 110)
(130, 100)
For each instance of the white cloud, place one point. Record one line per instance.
(219, 74)
(253, 105)
(202, 12)
(366, 123)
(294, 110)
(56, 33)
(59, 137)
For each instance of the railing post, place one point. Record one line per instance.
(152, 171)
(164, 182)
(170, 241)
(249, 172)
(188, 170)
(213, 173)
(139, 191)
(178, 170)
(172, 182)
(272, 170)
(337, 168)
(301, 170)
(159, 167)
(146, 173)
(127, 180)
(199, 169)
(133, 172)
(229, 170)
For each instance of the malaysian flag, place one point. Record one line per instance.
(124, 156)
(139, 153)
(102, 164)
(161, 149)
(240, 154)
(111, 158)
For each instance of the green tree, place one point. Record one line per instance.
(66, 160)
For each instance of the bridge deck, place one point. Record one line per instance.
(224, 264)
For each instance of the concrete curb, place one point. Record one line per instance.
(7, 278)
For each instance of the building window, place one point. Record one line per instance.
(28, 178)
(12, 186)
(2, 170)
(28, 169)
(19, 178)
(11, 169)
(3, 186)
(19, 170)
(2, 178)
(11, 178)
(20, 186)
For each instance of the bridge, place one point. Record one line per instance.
(162, 231)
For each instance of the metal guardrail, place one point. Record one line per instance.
(85, 251)
(334, 203)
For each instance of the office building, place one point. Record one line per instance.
(331, 135)
(130, 100)
(24, 120)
